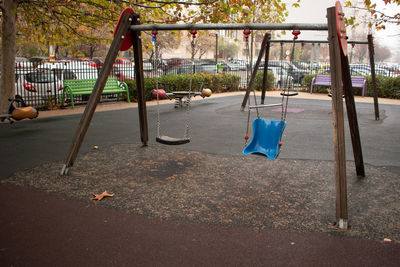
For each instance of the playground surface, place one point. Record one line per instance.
(203, 203)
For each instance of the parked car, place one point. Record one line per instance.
(241, 63)
(123, 61)
(292, 70)
(71, 70)
(98, 63)
(123, 72)
(229, 66)
(281, 78)
(187, 69)
(37, 86)
(177, 61)
(22, 63)
(147, 65)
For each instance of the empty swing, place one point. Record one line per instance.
(267, 134)
(164, 139)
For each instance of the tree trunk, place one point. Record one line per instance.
(7, 84)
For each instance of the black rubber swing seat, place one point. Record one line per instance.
(289, 94)
(166, 140)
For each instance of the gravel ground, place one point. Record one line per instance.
(177, 184)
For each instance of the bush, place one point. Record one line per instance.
(388, 87)
(259, 79)
(216, 82)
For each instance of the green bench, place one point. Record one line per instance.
(85, 87)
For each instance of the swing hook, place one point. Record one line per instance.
(193, 32)
(246, 33)
(154, 33)
(295, 34)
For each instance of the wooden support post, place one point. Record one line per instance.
(338, 121)
(138, 57)
(265, 76)
(373, 78)
(352, 116)
(97, 91)
(254, 73)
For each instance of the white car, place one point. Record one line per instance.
(281, 77)
(37, 87)
(22, 63)
(71, 70)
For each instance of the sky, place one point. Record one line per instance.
(313, 11)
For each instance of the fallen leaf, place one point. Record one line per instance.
(95, 147)
(101, 196)
(387, 240)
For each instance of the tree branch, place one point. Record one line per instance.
(384, 17)
(181, 3)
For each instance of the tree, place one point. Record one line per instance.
(66, 22)
(379, 18)
(382, 53)
(228, 49)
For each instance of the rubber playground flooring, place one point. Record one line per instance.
(172, 184)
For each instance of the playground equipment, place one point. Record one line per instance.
(340, 73)
(267, 134)
(18, 110)
(179, 96)
(164, 139)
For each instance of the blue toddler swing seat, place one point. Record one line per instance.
(266, 138)
(267, 134)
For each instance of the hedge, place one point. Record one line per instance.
(388, 87)
(216, 82)
(259, 78)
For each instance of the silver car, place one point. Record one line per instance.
(281, 77)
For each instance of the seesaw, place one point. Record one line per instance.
(180, 97)
(19, 113)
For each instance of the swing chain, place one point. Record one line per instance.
(246, 34)
(285, 103)
(187, 129)
(154, 33)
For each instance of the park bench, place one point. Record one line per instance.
(356, 81)
(85, 87)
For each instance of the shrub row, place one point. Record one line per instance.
(216, 82)
(259, 79)
(388, 87)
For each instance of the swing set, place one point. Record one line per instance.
(127, 34)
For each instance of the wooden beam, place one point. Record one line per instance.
(138, 57)
(338, 121)
(373, 78)
(352, 116)
(265, 74)
(96, 95)
(254, 74)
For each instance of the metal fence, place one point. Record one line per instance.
(42, 84)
